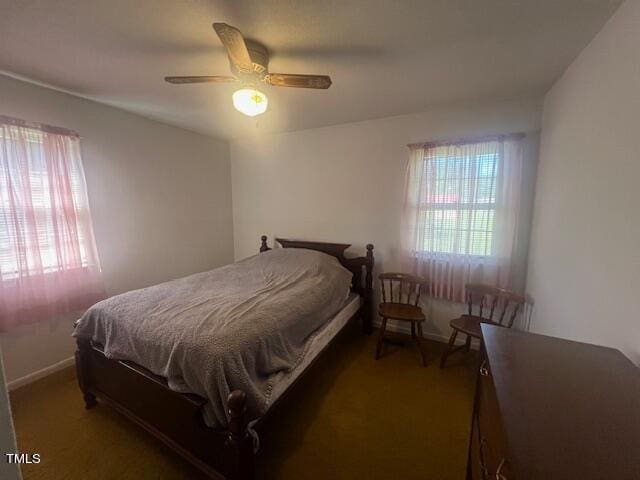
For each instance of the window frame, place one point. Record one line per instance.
(11, 274)
(424, 206)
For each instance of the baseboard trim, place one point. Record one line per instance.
(438, 337)
(32, 377)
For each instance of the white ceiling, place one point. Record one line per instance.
(385, 57)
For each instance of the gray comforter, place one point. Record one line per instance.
(242, 326)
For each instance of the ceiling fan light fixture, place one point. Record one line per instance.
(249, 62)
(250, 101)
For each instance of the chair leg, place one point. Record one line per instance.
(467, 344)
(421, 345)
(383, 327)
(413, 330)
(447, 351)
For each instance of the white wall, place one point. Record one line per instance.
(160, 200)
(345, 183)
(584, 268)
(7, 437)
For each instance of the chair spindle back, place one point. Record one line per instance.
(498, 301)
(408, 288)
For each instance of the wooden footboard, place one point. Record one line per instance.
(176, 419)
(173, 418)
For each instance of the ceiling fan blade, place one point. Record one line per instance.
(299, 81)
(201, 79)
(233, 41)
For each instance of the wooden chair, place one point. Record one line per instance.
(401, 304)
(486, 297)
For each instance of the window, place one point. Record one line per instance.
(18, 214)
(459, 204)
(48, 260)
(460, 214)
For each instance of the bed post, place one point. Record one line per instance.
(83, 374)
(239, 437)
(367, 317)
(263, 244)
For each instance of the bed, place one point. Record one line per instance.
(217, 430)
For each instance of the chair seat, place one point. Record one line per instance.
(401, 311)
(470, 324)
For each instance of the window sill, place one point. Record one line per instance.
(457, 257)
(11, 279)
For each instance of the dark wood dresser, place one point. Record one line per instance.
(553, 409)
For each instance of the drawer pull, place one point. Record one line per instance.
(484, 371)
(483, 467)
(499, 475)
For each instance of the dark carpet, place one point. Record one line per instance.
(351, 417)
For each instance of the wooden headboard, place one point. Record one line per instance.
(360, 267)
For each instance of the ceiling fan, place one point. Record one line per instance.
(249, 61)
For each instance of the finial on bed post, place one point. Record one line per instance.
(263, 244)
(367, 320)
(239, 437)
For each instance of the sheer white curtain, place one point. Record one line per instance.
(48, 259)
(461, 211)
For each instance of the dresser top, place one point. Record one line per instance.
(569, 409)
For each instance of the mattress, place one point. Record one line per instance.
(317, 342)
(244, 326)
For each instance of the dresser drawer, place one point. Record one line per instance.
(476, 466)
(492, 444)
(547, 408)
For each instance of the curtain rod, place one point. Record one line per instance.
(38, 126)
(467, 140)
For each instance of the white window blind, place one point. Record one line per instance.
(30, 207)
(459, 202)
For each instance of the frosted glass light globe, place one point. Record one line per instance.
(250, 101)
